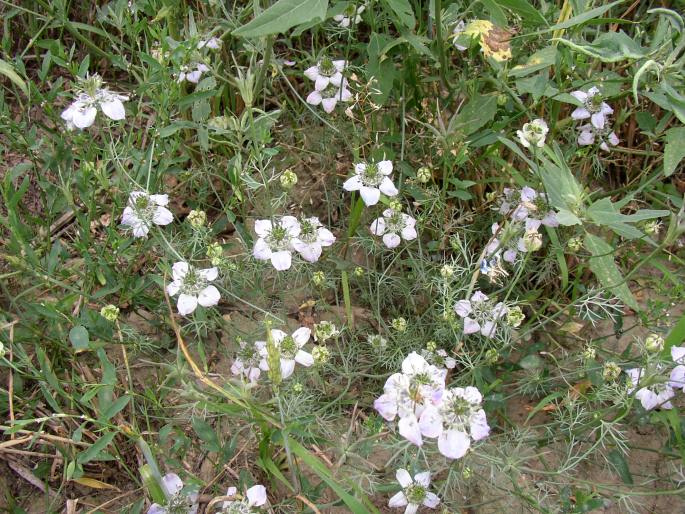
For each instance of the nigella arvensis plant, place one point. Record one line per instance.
(290, 350)
(394, 226)
(144, 210)
(193, 287)
(480, 314)
(312, 238)
(533, 133)
(371, 179)
(91, 97)
(275, 241)
(414, 493)
(593, 107)
(177, 501)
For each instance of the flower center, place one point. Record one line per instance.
(278, 238)
(238, 507)
(178, 504)
(415, 493)
(372, 176)
(288, 347)
(193, 283)
(326, 67)
(594, 103)
(308, 232)
(457, 411)
(394, 223)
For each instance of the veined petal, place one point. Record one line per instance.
(312, 72)
(403, 478)
(354, 183)
(423, 479)
(471, 326)
(581, 113)
(409, 233)
(387, 187)
(209, 296)
(304, 358)
(463, 308)
(301, 336)
(453, 444)
(432, 500)
(321, 83)
(329, 104)
(209, 274)
(314, 98)
(174, 287)
(370, 195)
(256, 495)
(281, 260)
(179, 270)
(385, 167)
(162, 216)
(287, 367)
(113, 108)
(378, 227)
(172, 483)
(261, 250)
(391, 240)
(386, 405)
(430, 422)
(397, 500)
(310, 252)
(186, 304)
(409, 429)
(84, 118)
(262, 227)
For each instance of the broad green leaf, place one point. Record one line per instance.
(477, 113)
(674, 150)
(539, 60)
(403, 10)
(563, 189)
(605, 269)
(94, 450)
(380, 68)
(79, 338)
(615, 457)
(604, 212)
(582, 18)
(114, 408)
(352, 503)
(676, 337)
(282, 16)
(8, 71)
(525, 10)
(609, 47)
(206, 433)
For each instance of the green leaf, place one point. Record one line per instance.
(524, 9)
(79, 338)
(609, 47)
(8, 71)
(605, 269)
(616, 459)
(206, 433)
(477, 113)
(582, 18)
(282, 16)
(94, 450)
(539, 60)
(114, 408)
(355, 506)
(675, 337)
(674, 150)
(402, 9)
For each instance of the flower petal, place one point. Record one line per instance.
(391, 240)
(113, 109)
(162, 216)
(262, 227)
(209, 296)
(84, 118)
(261, 250)
(186, 304)
(370, 195)
(256, 495)
(398, 500)
(453, 444)
(172, 483)
(403, 478)
(314, 98)
(432, 500)
(423, 479)
(329, 104)
(409, 429)
(281, 260)
(387, 187)
(353, 183)
(304, 358)
(287, 367)
(179, 270)
(377, 227)
(471, 326)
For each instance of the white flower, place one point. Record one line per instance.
(678, 372)
(414, 492)
(457, 31)
(81, 113)
(371, 179)
(275, 242)
(392, 225)
(533, 133)
(325, 73)
(329, 97)
(593, 107)
(312, 238)
(192, 73)
(345, 19)
(290, 349)
(213, 43)
(176, 501)
(479, 313)
(144, 210)
(606, 137)
(255, 496)
(193, 286)
(652, 396)
(527, 203)
(406, 394)
(458, 419)
(247, 361)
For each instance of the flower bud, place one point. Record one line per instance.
(611, 371)
(298, 387)
(654, 343)
(319, 278)
(589, 353)
(197, 218)
(399, 324)
(321, 355)
(447, 271)
(288, 179)
(532, 240)
(431, 346)
(358, 271)
(424, 174)
(324, 331)
(491, 356)
(110, 312)
(515, 316)
(377, 341)
(215, 253)
(575, 244)
(395, 205)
